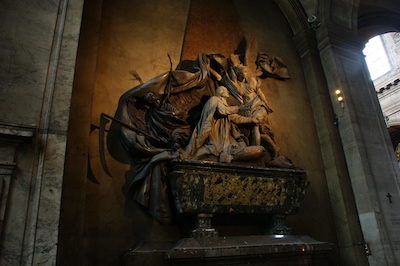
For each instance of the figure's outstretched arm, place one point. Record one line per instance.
(225, 110)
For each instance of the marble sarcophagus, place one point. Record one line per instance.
(206, 188)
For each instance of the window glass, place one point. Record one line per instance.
(376, 58)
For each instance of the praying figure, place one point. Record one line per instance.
(217, 133)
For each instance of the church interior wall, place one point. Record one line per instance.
(38, 48)
(49, 140)
(362, 122)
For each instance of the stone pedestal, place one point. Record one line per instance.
(206, 188)
(235, 250)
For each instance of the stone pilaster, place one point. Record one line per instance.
(36, 90)
(340, 192)
(365, 142)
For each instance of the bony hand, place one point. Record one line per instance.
(258, 120)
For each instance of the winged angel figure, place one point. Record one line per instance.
(184, 113)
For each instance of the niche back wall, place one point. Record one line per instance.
(98, 223)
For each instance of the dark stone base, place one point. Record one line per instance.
(237, 250)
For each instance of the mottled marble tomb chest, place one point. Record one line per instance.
(209, 187)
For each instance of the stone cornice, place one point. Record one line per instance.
(389, 86)
(10, 137)
(6, 169)
(305, 41)
(340, 38)
(15, 133)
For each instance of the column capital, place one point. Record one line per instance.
(339, 37)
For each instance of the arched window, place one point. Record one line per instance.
(376, 57)
(382, 55)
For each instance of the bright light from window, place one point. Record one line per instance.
(376, 58)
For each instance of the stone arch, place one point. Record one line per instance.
(341, 13)
(373, 20)
(374, 23)
(295, 14)
(329, 12)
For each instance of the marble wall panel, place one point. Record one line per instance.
(61, 100)
(14, 189)
(17, 207)
(26, 38)
(48, 210)
(48, 195)
(40, 49)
